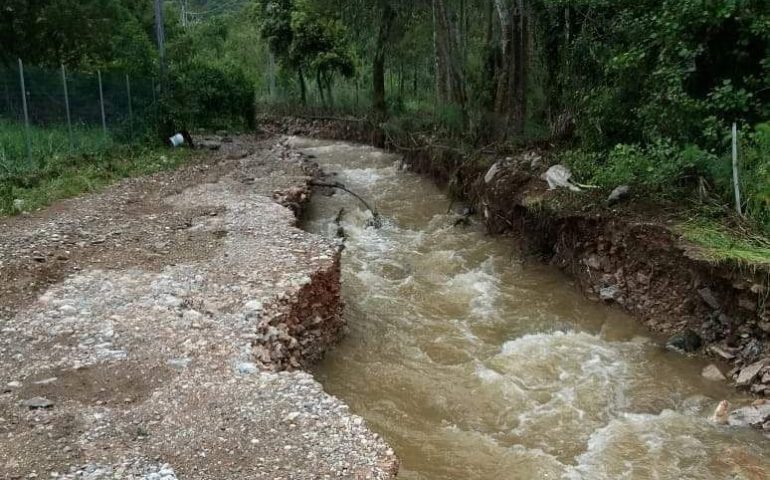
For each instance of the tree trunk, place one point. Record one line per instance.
(441, 76)
(512, 77)
(451, 88)
(491, 58)
(302, 86)
(320, 86)
(521, 71)
(505, 72)
(329, 96)
(378, 64)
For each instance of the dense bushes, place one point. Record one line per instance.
(208, 96)
(683, 70)
(654, 87)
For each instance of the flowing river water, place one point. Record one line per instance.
(475, 365)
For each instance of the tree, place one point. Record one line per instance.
(387, 16)
(86, 34)
(511, 95)
(307, 41)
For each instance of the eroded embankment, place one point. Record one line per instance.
(140, 327)
(628, 257)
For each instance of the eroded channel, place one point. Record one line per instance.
(475, 365)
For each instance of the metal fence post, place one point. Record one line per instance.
(130, 108)
(736, 178)
(101, 103)
(67, 105)
(26, 112)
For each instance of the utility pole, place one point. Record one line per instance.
(161, 36)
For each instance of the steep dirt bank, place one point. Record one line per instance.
(148, 331)
(628, 256)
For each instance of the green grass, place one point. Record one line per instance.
(55, 170)
(718, 243)
(46, 143)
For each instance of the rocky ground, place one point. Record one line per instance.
(156, 331)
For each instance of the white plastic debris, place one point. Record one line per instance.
(560, 176)
(177, 140)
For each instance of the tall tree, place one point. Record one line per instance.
(511, 96)
(387, 16)
(450, 75)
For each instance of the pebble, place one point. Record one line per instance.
(38, 403)
(247, 368)
(179, 363)
(47, 381)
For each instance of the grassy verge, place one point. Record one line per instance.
(719, 243)
(56, 169)
(45, 143)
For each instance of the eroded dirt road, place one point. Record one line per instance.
(140, 327)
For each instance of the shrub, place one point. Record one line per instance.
(659, 167)
(208, 96)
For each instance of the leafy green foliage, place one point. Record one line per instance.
(647, 70)
(83, 34)
(304, 39)
(208, 96)
(661, 167)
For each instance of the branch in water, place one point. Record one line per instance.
(377, 220)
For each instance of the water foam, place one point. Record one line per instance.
(479, 287)
(365, 176)
(563, 385)
(663, 446)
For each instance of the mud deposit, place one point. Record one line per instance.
(476, 365)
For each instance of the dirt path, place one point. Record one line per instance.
(139, 325)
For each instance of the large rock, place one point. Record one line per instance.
(609, 293)
(713, 373)
(687, 342)
(708, 296)
(753, 416)
(619, 194)
(749, 373)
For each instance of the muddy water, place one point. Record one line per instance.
(474, 365)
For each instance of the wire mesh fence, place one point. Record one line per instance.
(46, 111)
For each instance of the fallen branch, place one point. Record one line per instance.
(376, 221)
